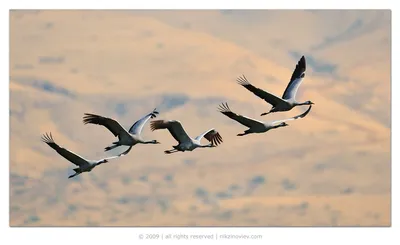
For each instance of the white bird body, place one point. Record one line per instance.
(254, 125)
(186, 143)
(288, 100)
(84, 165)
(125, 138)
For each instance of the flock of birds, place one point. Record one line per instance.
(133, 136)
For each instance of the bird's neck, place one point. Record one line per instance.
(277, 126)
(206, 146)
(99, 162)
(303, 103)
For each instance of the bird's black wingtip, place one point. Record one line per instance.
(47, 138)
(86, 114)
(242, 80)
(306, 112)
(309, 109)
(224, 107)
(302, 61)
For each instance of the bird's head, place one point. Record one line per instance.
(283, 124)
(309, 102)
(156, 142)
(103, 161)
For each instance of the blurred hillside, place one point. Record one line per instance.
(331, 168)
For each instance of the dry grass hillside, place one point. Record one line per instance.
(332, 168)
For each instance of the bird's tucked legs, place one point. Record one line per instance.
(75, 174)
(170, 151)
(245, 133)
(266, 113)
(115, 145)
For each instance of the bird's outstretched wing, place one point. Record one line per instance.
(109, 123)
(125, 152)
(211, 135)
(119, 155)
(174, 127)
(268, 97)
(69, 155)
(137, 127)
(293, 118)
(296, 79)
(246, 121)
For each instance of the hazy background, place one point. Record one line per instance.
(331, 168)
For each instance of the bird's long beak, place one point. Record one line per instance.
(312, 103)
